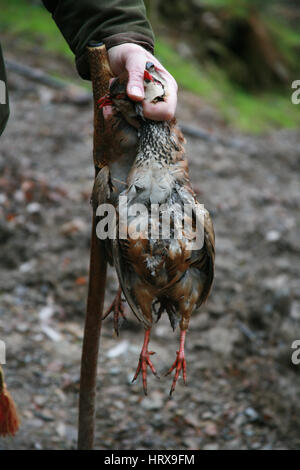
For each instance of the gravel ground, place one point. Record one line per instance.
(242, 390)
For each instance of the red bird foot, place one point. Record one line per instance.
(179, 364)
(118, 310)
(145, 362)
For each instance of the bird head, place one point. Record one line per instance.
(154, 84)
(132, 111)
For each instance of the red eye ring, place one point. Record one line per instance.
(148, 77)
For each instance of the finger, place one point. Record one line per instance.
(135, 65)
(161, 111)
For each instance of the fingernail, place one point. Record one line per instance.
(136, 91)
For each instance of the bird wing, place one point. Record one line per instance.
(101, 194)
(126, 282)
(102, 187)
(190, 256)
(204, 259)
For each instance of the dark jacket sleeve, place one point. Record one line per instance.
(113, 22)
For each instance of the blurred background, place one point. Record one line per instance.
(234, 62)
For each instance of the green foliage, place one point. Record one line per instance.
(249, 112)
(32, 22)
(187, 73)
(287, 40)
(238, 7)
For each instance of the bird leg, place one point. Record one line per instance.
(179, 363)
(144, 361)
(118, 310)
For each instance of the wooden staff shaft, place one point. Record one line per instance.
(100, 75)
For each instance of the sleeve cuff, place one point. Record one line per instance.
(111, 41)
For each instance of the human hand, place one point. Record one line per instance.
(133, 58)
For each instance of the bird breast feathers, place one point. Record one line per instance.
(152, 185)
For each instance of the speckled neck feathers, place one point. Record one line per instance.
(155, 144)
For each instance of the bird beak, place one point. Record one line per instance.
(139, 110)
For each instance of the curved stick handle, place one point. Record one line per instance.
(100, 75)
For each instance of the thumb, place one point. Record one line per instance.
(135, 66)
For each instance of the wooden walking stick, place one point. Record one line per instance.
(100, 75)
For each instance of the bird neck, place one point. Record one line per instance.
(155, 145)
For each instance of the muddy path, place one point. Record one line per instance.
(242, 390)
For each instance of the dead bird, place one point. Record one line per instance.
(160, 269)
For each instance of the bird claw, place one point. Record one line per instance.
(179, 364)
(118, 310)
(144, 362)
